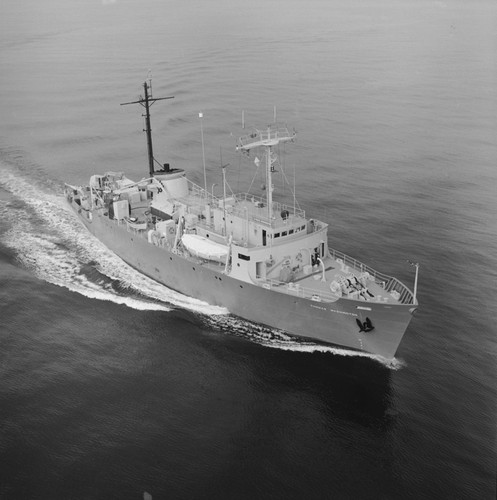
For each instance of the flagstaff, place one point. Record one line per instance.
(416, 265)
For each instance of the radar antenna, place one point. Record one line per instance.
(273, 135)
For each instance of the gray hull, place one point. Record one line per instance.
(332, 323)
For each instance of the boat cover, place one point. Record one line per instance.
(205, 248)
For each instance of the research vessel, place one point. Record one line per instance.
(263, 260)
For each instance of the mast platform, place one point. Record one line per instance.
(271, 136)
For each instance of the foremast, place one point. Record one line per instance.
(268, 138)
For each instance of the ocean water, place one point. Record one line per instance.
(111, 385)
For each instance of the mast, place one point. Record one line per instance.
(270, 161)
(201, 116)
(224, 197)
(147, 102)
(272, 136)
(148, 130)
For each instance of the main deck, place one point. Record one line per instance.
(356, 280)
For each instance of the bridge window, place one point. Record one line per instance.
(243, 257)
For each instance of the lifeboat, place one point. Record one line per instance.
(205, 248)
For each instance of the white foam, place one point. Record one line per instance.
(60, 266)
(56, 249)
(277, 339)
(113, 267)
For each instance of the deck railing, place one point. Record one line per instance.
(388, 283)
(206, 197)
(272, 133)
(299, 291)
(201, 193)
(277, 207)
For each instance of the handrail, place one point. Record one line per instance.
(388, 283)
(259, 137)
(300, 291)
(277, 206)
(199, 191)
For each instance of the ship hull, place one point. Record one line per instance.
(332, 323)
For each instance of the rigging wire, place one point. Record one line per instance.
(253, 178)
(231, 190)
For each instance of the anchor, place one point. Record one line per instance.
(366, 327)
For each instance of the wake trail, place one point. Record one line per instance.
(278, 339)
(49, 240)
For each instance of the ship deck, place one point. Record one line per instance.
(247, 206)
(317, 286)
(378, 288)
(358, 281)
(255, 208)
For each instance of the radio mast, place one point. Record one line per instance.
(147, 102)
